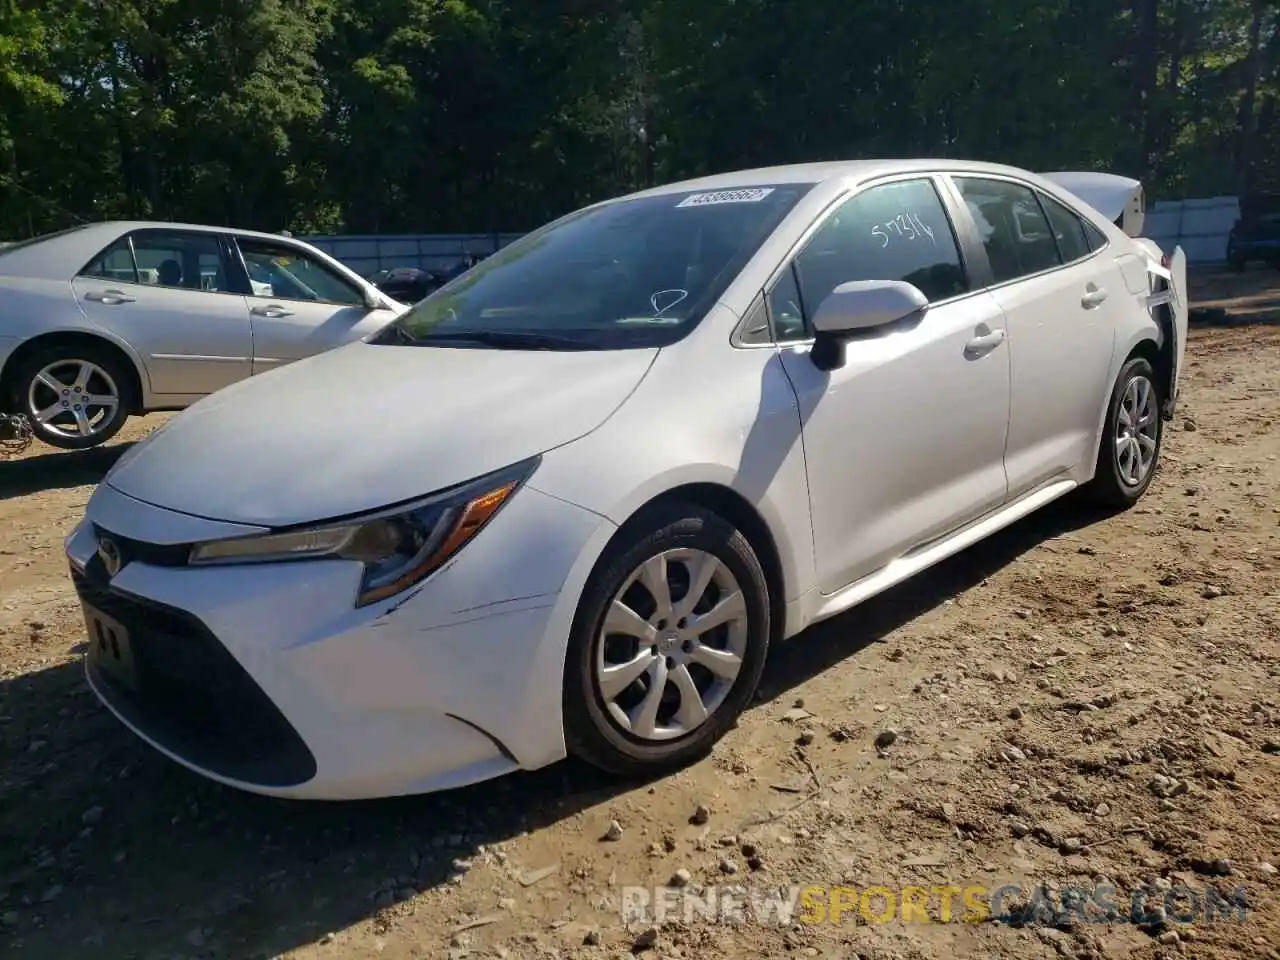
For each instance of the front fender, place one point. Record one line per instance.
(739, 430)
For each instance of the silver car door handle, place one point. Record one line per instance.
(1093, 297)
(272, 310)
(983, 344)
(109, 297)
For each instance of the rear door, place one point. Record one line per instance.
(1061, 299)
(169, 293)
(299, 306)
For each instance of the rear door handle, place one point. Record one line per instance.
(1093, 296)
(273, 310)
(983, 344)
(109, 297)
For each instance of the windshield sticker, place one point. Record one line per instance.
(747, 195)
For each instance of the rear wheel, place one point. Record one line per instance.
(668, 645)
(1131, 438)
(75, 396)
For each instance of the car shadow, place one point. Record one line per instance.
(108, 848)
(57, 470)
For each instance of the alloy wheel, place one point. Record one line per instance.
(672, 644)
(1136, 432)
(73, 398)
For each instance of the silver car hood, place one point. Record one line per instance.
(363, 427)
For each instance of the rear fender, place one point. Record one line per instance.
(1168, 305)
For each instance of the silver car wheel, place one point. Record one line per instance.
(73, 398)
(672, 644)
(1136, 432)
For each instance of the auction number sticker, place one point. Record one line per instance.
(746, 195)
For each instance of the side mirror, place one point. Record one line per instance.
(858, 307)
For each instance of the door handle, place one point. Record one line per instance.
(273, 310)
(983, 344)
(109, 297)
(1092, 297)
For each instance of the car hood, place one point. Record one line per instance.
(364, 426)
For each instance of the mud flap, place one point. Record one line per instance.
(1174, 278)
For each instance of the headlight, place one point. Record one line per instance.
(399, 547)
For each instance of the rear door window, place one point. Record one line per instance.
(1012, 226)
(1068, 230)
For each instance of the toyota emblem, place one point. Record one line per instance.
(110, 556)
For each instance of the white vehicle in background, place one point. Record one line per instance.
(580, 490)
(111, 319)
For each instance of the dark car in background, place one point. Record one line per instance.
(411, 284)
(1256, 235)
(406, 284)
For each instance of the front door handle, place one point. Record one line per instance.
(983, 344)
(109, 297)
(1092, 297)
(272, 310)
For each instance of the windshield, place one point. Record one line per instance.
(636, 273)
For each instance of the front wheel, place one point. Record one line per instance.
(1131, 438)
(668, 644)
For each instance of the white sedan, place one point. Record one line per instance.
(567, 502)
(111, 319)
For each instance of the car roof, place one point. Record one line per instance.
(845, 170)
(58, 256)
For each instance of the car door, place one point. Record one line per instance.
(299, 306)
(1060, 299)
(905, 441)
(170, 294)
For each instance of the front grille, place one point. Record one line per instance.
(192, 697)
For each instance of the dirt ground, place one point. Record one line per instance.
(1081, 702)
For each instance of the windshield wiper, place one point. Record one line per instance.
(508, 340)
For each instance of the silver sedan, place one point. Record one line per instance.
(111, 319)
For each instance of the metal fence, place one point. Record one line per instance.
(367, 254)
(1200, 227)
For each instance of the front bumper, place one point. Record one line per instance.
(266, 678)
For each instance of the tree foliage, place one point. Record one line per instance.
(443, 115)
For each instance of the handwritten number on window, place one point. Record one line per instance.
(905, 224)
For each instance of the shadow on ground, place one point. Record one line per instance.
(1224, 298)
(57, 470)
(107, 848)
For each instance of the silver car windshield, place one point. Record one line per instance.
(636, 273)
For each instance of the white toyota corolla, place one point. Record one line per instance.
(565, 503)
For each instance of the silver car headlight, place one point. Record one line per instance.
(399, 547)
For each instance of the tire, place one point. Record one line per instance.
(601, 734)
(1113, 483)
(107, 376)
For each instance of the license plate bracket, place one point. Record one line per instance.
(110, 651)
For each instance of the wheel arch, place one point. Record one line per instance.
(732, 506)
(1161, 356)
(136, 384)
